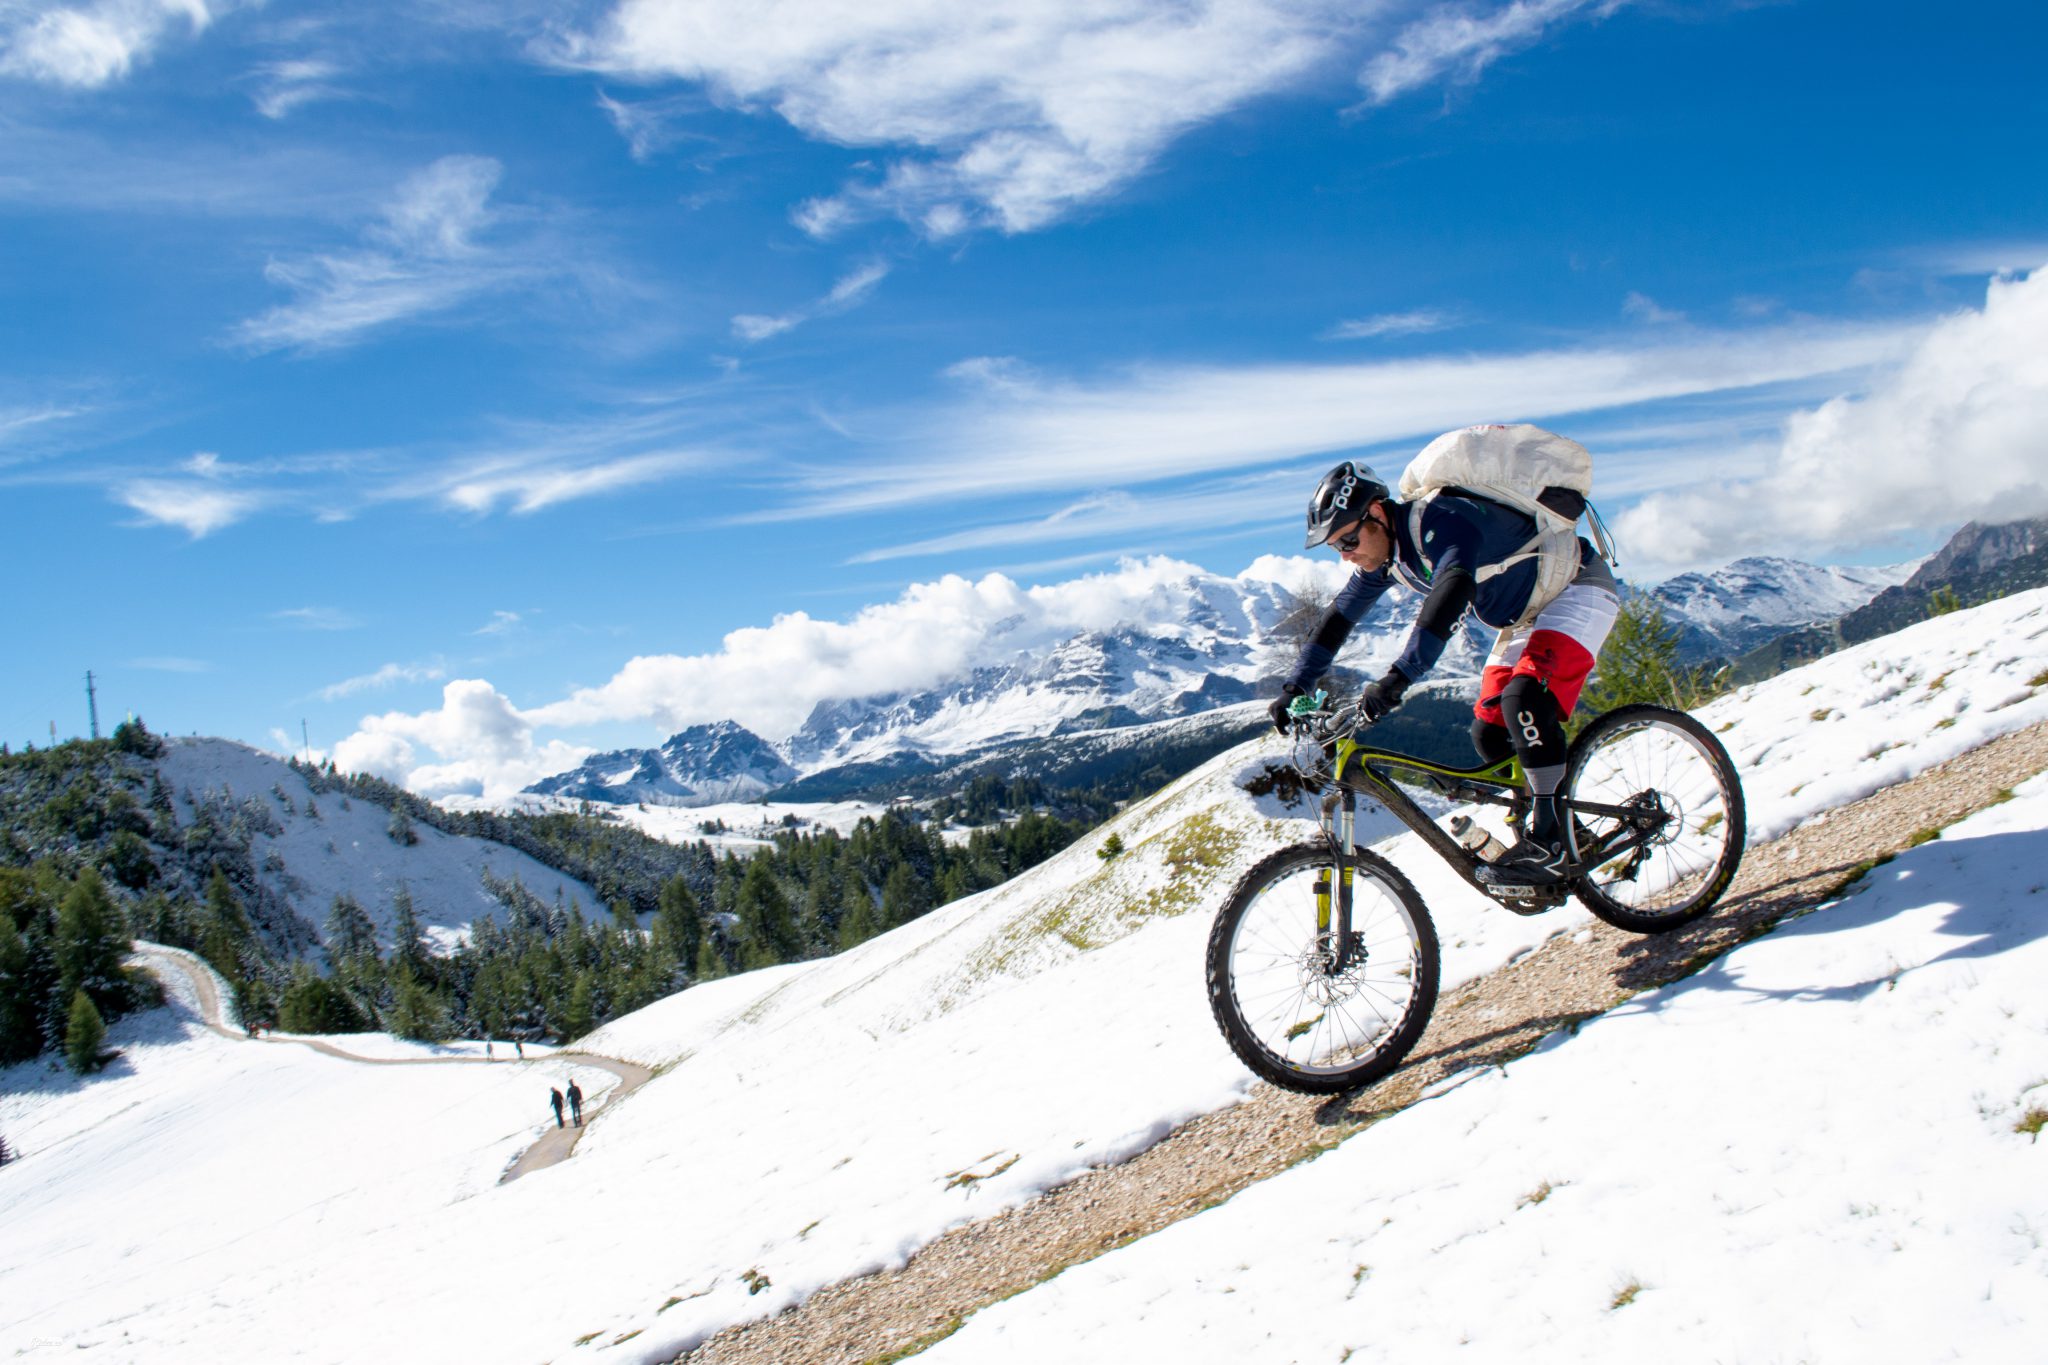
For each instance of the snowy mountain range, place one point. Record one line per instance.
(1213, 642)
(1738, 607)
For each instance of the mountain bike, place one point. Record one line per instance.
(1323, 962)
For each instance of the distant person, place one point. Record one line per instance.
(555, 1096)
(489, 1056)
(519, 1047)
(575, 1102)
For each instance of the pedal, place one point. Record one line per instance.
(1526, 900)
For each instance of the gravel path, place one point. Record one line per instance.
(1486, 1023)
(554, 1145)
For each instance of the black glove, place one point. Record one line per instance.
(1278, 710)
(1383, 696)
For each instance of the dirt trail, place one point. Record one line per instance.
(1487, 1023)
(554, 1145)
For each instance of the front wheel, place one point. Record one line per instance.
(1674, 830)
(1290, 1012)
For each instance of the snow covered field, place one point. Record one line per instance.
(216, 1200)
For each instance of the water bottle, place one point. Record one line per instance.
(1477, 840)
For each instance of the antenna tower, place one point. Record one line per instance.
(92, 704)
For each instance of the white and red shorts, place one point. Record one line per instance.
(1558, 648)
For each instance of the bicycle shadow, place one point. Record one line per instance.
(1994, 887)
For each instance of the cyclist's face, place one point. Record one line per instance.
(1365, 544)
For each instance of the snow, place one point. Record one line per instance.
(1806, 1152)
(347, 848)
(1717, 1141)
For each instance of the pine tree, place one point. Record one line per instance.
(20, 1038)
(677, 924)
(767, 926)
(710, 966)
(581, 1016)
(1639, 663)
(415, 1012)
(84, 1035)
(408, 945)
(90, 943)
(5, 1154)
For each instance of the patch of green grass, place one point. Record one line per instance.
(588, 1337)
(755, 1280)
(673, 1300)
(1711, 823)
(2032, 1122)
(1303, 1027)
(2039, 679)
(807, 1228)
(622, 1340)
(1626, 1295)
(1822, 714)
(1939, 683)
(1726, 728)
(1879, 751)
(1535, 1196)
(2004, 795)
(1923, 836)
(1944, 722)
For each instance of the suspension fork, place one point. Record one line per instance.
(1333, 904)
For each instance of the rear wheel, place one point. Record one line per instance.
(1292, 1014)
(1678, 789)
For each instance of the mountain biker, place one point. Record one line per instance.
(1533, 676)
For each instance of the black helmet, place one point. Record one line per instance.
(1340, 499)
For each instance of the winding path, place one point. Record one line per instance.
(555, 1144)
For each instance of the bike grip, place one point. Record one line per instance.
(1307, 705)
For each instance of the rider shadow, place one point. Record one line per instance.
(1994, 886)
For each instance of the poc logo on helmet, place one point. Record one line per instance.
(1342, 497)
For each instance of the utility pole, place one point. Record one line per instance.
(92, 704)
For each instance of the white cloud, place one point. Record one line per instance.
(422, 257)
(1021, 432)
(1461, 43)
(527, 487)
(850, 291)
(501, 623)
(1646, 309)
(477, 740)
(1953, 433)
(282, 87)
(1392, 324)
(196, 508)
(318, 618)
(1023, 110)
(88, 46)
(388, 676)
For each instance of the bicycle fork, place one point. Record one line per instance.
(1333, 904)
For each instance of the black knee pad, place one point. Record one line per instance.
(1491, 741)
(1535, 722)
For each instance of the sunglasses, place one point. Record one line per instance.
(1347, 544)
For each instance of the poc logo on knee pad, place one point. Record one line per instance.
(1527, 721)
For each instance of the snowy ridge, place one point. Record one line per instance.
(1750, 601)
(315, 848)
(818, 1120)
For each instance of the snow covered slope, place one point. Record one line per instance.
(1815, 1150)
(818, 1120)
(310, 849)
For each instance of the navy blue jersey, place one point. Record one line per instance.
(1457, 533)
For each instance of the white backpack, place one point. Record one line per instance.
(1512, 465)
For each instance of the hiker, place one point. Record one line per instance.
(519, 1046)
(1458, 551)
(555, 1097)
(489, 1056)
(576, 1101)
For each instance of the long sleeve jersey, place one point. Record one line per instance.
(1458, 536)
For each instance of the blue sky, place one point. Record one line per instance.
(460, 378)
